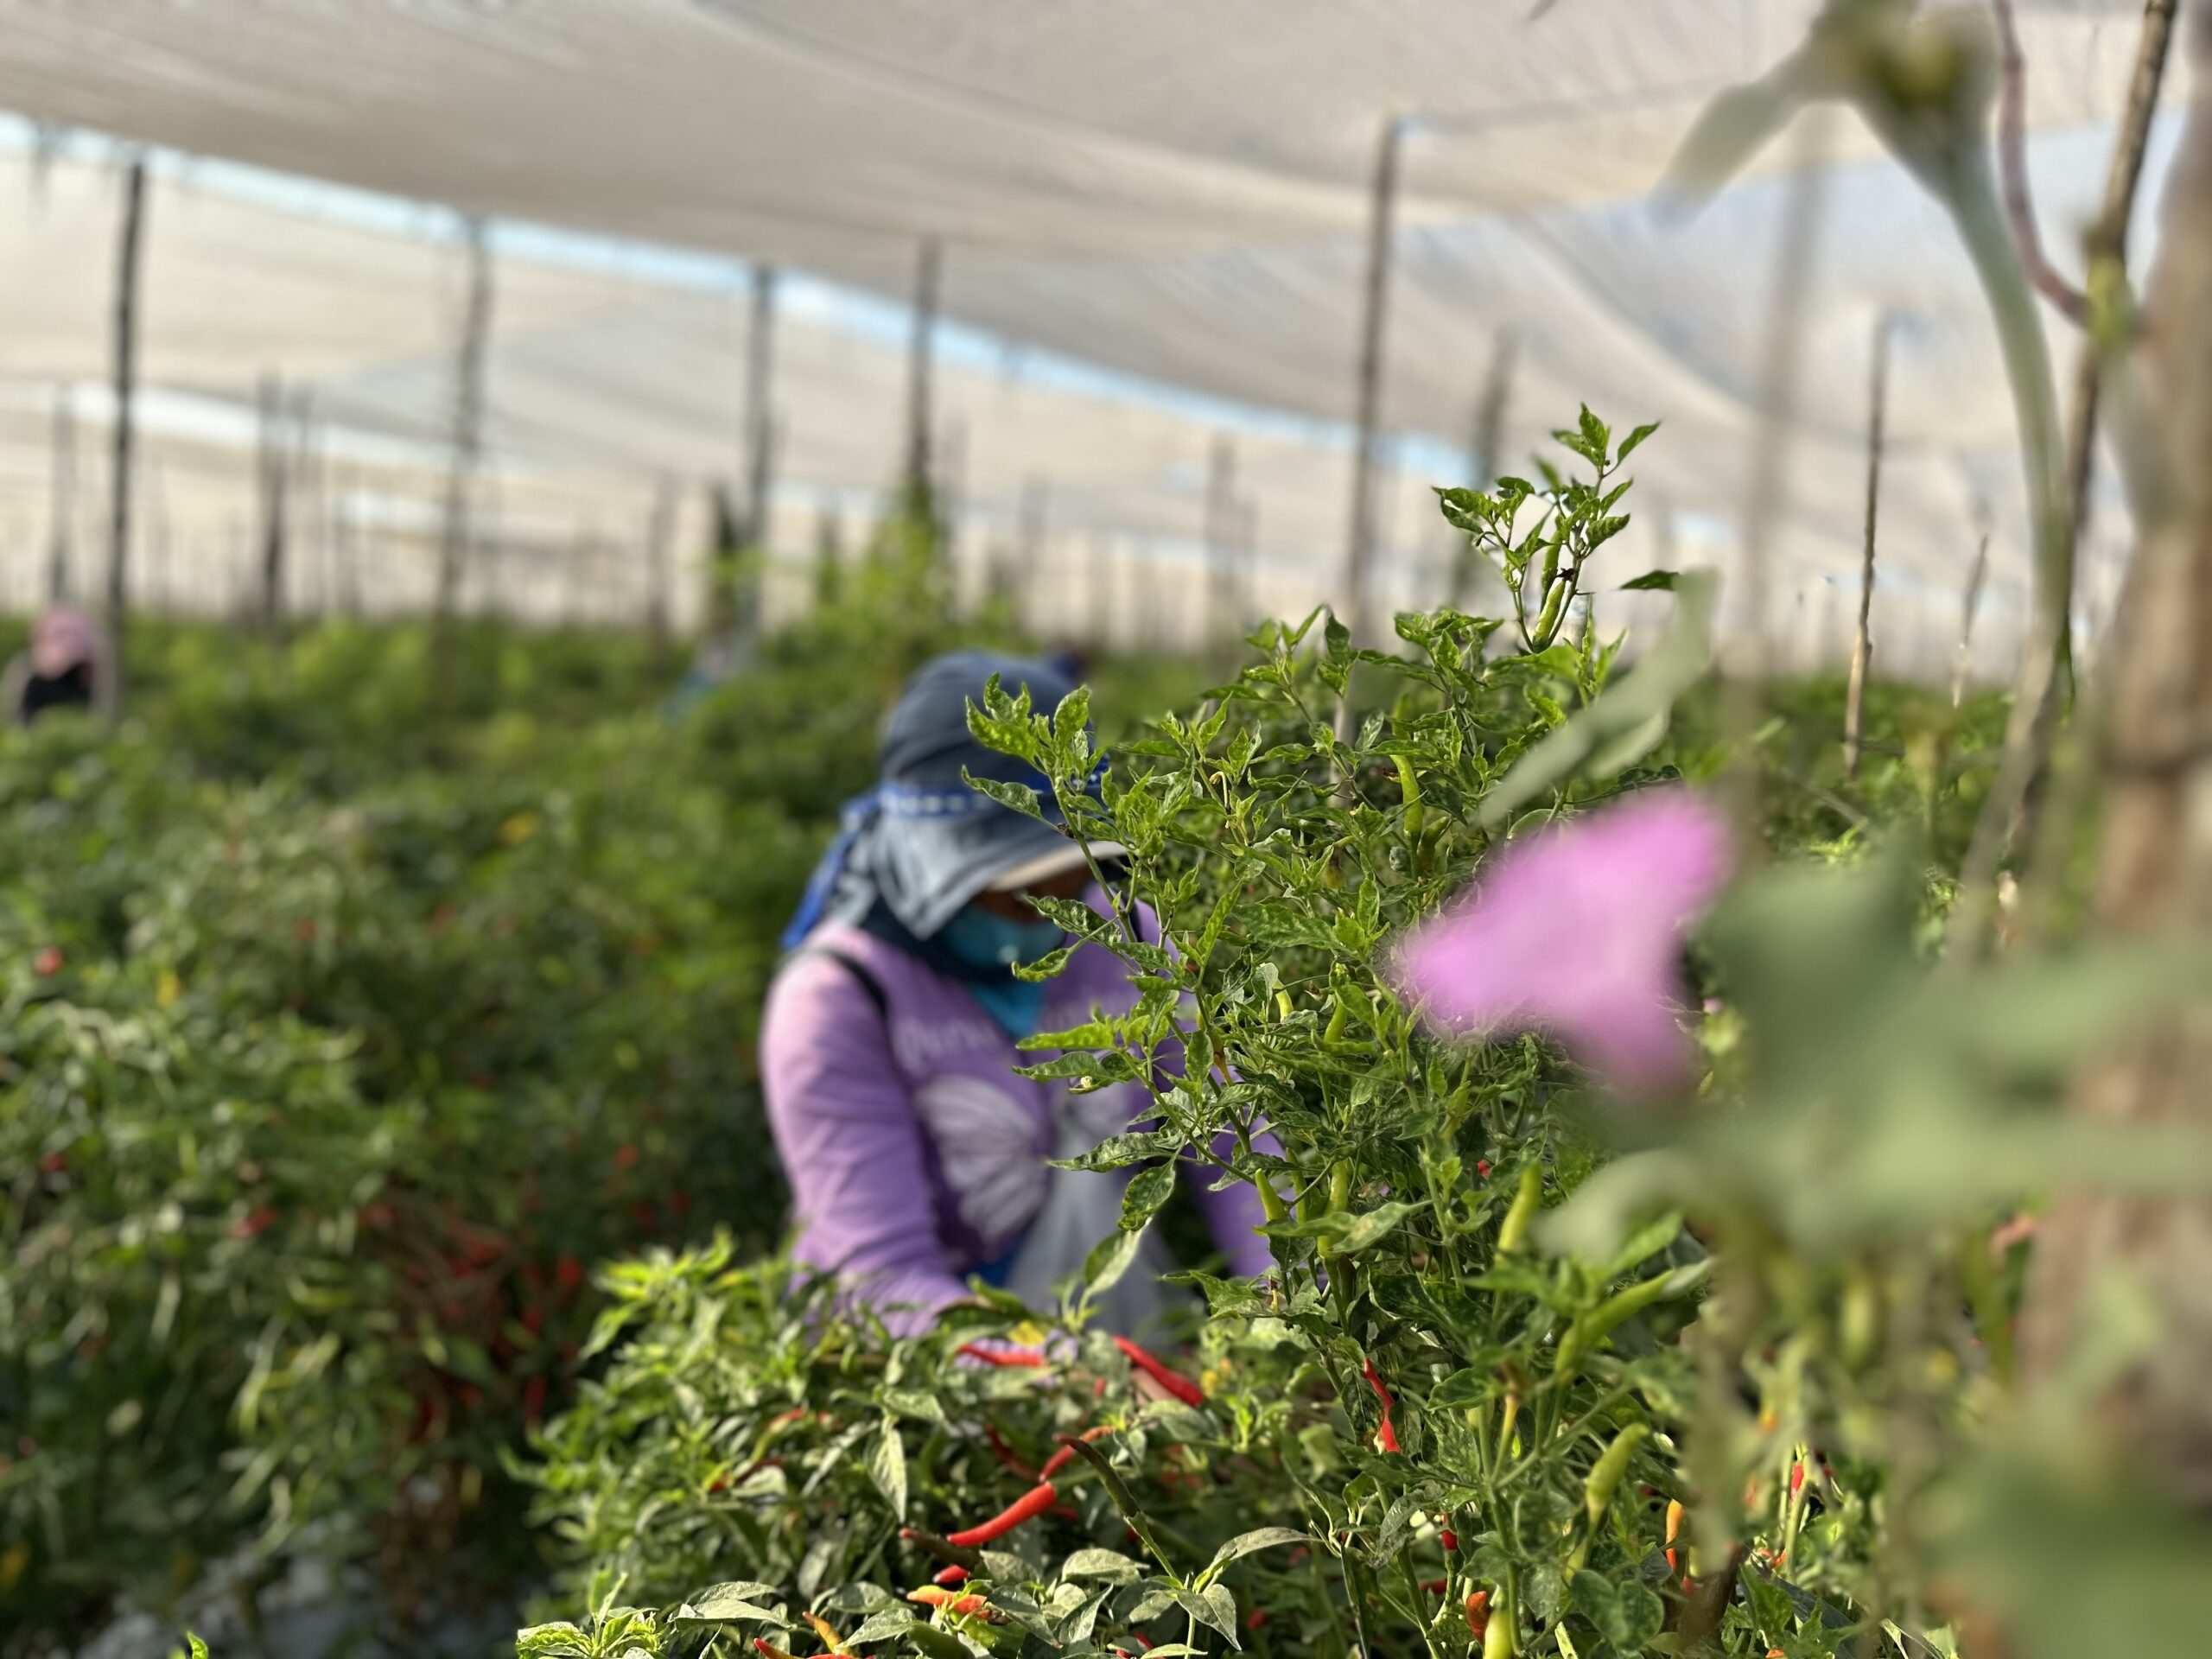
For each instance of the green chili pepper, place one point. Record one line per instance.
(1525, 1203)
(1340, 1188)
(1499, 1632)
(1271, 1201)
(1555, 607)
(1409, 787)
(1605, 1473)
(1583, 1337)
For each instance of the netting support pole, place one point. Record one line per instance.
(1222, 618)
(1967, 610)
(274, 515)
(660, 538)
(126, 387)
(1862, 643)
(928, 270)
(1485, 441)
(759, 420)
(64, 510)
(1359, 545)
(1029, 546)
(467, 442)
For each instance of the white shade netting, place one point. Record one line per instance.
(1176, 192)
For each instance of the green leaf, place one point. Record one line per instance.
(1214, 1606)
(1648, 1240)
(1246, 1543)
(936, 1644)
(886, 1467)
(1652, 581)
(1046, 967)
(1108, 1564)
(1109, 1260)
(1634, 440)
(1372, 1227)
(1465, 1387)
(918, 1403)
(739, 1602)
(1018, 797)
(1626, 1613)
(1148, 1189)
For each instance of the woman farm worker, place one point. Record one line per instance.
(916, 1156)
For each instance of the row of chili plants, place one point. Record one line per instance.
(1588, 1340)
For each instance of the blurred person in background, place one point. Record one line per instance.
(916, 1155)
(65, 667)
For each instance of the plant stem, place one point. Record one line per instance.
(1981, 224)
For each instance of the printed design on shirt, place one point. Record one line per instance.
(985, 1143)
(922, 1045)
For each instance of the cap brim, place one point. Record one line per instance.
(1058, 861)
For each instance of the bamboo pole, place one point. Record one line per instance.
(1862, 645)
(126, 387)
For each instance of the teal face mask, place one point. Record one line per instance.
(981, 939)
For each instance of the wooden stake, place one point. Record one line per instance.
(1862, 645)
(126, 387)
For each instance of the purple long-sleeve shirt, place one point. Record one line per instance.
(915, 1154)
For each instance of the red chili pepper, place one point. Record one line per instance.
(1477, 1611)
(1796, 1478)
(1437, 1587)
(1018, 1358)
(1031, 1504)
(1674, 1530)
(951, 1575)
(1257, 1619)
(49, 962)
(1482, 1168)
(1388, 1434)
(1174, 1382)
(1450, 1540)
(259, 1221)
(1004, 1453)
(930, 1595)
(54, 1163)
(567, 1273)
(1066, 1455)
(533, 1399)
